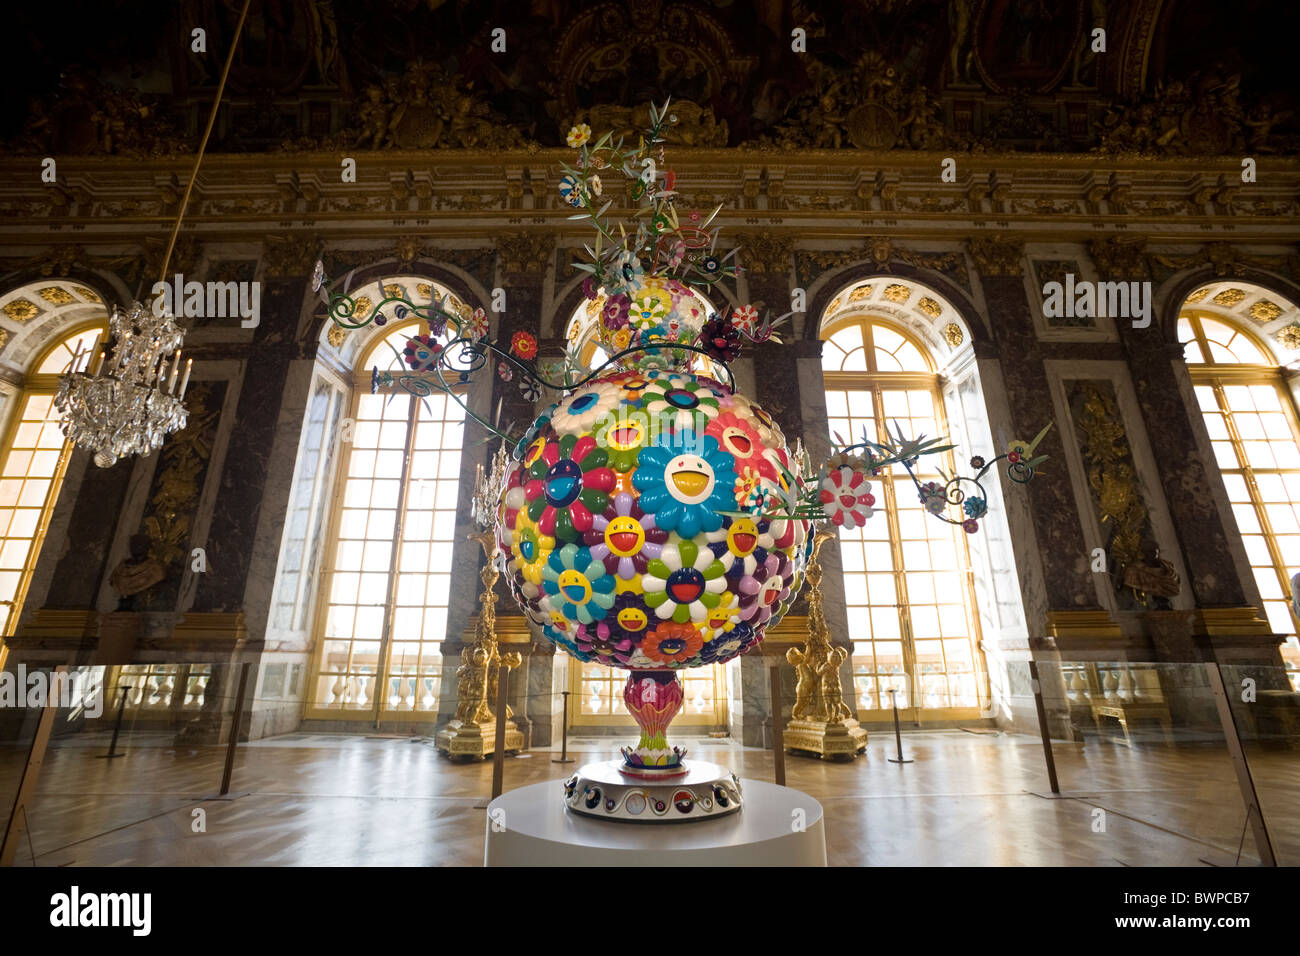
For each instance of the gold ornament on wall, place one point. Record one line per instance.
(1289, 337)
(953, 334)
(1264, 311)
(21, 310)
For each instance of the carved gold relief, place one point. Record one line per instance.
(834, 306)
(394, 290)
(1134, 555)
(860, 293)
(363, 306)
(1230, 296)
(953, 334)
(763, 252)
(425, 290)
(1265, 311)
(88, 294)
(427, 108)
(56, 295)
(996, 257)
(930, 307)
(1198, 295)
(1289, 337)
(21, 310)
(336, 335)
(525, 252)
(897, 293)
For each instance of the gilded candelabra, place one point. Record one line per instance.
(821, 722)
(471, 733)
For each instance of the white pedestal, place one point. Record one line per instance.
(777, 827)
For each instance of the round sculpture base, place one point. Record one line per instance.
(603, 790)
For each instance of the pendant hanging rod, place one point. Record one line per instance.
(203, 143)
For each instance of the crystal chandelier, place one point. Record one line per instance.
(129, 403)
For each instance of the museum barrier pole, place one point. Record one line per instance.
(233, 743)
(898, 734)
(17, 828)
(499, 756)
(564, 733)
(117, 725)
(1037, 688)
(778, 742)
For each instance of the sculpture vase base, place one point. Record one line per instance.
(699, 791)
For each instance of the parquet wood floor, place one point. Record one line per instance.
(981, 800)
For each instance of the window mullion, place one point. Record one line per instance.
(399, 522)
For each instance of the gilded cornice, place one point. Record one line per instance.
(818, 194)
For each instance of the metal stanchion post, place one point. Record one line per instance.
(234, 729)
(499, 756)
(117, 725)
(564, 731)
(778, 743)
(898, 734)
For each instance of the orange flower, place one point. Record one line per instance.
(672, 643)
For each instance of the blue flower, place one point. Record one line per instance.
(685, 479)
(975, 507)
(578, 585)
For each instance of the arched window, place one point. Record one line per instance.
(1254, 432)
(32, 461)
(382, 612)
(907, 584)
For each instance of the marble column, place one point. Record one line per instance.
(1183, 478)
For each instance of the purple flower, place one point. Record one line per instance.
(614, 314)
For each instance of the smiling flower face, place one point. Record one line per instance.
(741, 440)
(741, 544)
(679, 401)
(671, 643)
(530, 548)
(764, 590)
(568, 481)
(578, 585)
(580, 413)
(684, 582)
(625, 538)
(684, 490)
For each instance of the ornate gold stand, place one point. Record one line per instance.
(821, 723)
(471, 734)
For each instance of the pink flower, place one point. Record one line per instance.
(478, 324)
(846, 497)
(745, 318)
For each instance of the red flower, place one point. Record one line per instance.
(524, 345)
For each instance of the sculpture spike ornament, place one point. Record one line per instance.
(653, 518)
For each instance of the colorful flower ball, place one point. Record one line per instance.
(622, 524)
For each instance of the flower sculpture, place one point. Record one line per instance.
(652, 518)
